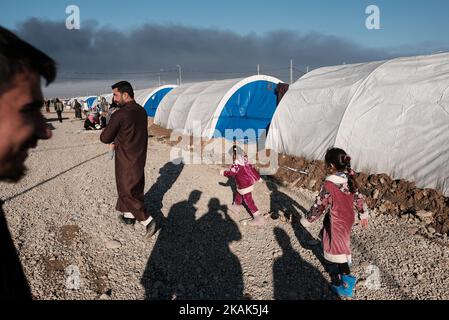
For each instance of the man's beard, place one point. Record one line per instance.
(120, 103)
(13, 171)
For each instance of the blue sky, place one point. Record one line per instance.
(219, 39)
(404, 23)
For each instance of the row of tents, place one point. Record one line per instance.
(148, 98)
(391, 116)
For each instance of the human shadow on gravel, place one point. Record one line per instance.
(231, 184)
(293, 277)
(282, 204)
(191, 259)
(307, 241)
(168, 175)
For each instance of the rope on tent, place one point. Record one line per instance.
(296, 170)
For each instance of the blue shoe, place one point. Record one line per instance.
(349, 279)
(340, 290)
(349, 282)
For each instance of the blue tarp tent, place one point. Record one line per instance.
(151, 98)
(90, 101)
(208, 109)
(251, 107)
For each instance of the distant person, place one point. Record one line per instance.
(111, 109)
(337, 199)
(21, 126)
(85, 108)
(47, 106)
(128, 129)
(245, 177)
(92, 122)
(59, 109)
(103, 120)
(52, 104)
(77, 107)
(104, 104)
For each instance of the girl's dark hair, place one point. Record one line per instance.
(342, 162)
(236, 150)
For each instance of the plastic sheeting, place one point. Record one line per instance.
(390, 116)
(198, 109)
(90, 101)
(251, 107)
(150, 98)
(155, 99)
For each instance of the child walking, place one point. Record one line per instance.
(338, 200)
(245, 177)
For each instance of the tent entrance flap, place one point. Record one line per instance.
(153, 102)
(90, 101)
(249, 109)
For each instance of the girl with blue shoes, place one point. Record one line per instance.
(339, 200)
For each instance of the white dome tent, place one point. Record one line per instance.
(390, 116)
(205, 108)
(108, 98)
(151, 98)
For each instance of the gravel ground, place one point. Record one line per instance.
(73, 246)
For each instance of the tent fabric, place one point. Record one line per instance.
(147, 98)
(140, 96)
(90, 101)
(108, 98)
(154, 99)
(180, 110)
(238, 112)
(390, 116)
(196, 109)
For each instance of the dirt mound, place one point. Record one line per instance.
(157, 131)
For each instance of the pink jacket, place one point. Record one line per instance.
(339, 206)
(245, 175)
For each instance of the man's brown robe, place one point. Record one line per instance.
(128, 129)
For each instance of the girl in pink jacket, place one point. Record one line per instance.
(245, 177)
(339, 200)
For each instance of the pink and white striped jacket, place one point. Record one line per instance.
(244, 173)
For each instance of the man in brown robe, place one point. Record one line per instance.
(127, 128)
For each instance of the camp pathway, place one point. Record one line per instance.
(73, 246)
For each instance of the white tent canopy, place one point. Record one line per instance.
(151, 98)
(108, 98)
(390, 116)
(196, 108)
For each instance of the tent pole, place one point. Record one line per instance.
(291, 71)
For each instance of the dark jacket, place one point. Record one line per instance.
(13, 283)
